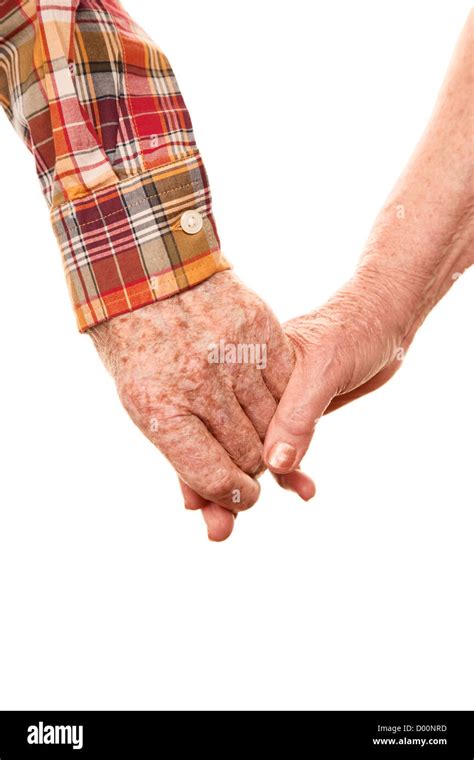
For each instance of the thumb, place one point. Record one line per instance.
(304, 401)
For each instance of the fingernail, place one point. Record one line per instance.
(282, 456)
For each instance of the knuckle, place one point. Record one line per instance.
(249, 498)
(222, 484)
(252, 462)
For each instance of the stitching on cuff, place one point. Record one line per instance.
(138, 203)
(142, 176)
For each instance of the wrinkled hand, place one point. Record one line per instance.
(421, 242)
(356, 342)
(180, 376)
(349, 347)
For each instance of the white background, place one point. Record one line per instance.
(110, 594)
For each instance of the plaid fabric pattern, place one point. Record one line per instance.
(98, 105)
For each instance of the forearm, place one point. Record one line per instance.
(424, 236)
(422, 239)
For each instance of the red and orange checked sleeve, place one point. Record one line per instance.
(99, 107)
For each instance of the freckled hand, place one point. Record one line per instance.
(201, 374)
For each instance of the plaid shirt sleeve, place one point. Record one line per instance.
(99, 107)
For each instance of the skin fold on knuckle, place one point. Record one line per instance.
(221, 485)
(225, 487)
(248, 457)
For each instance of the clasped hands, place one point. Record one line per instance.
(214, 381)
(223, 390)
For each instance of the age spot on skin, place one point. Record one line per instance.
(191, 409)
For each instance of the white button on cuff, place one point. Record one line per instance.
(191, 222)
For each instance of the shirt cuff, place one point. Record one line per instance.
(124, 246)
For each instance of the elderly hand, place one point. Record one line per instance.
(352, 346)
(348, 348)
(200, 374)
(422, 241)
